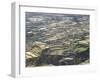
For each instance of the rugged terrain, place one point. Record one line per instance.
(56, 39)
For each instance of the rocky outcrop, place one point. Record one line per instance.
(56, 39)
(67, 58)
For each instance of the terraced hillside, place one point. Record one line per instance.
(56, 39)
